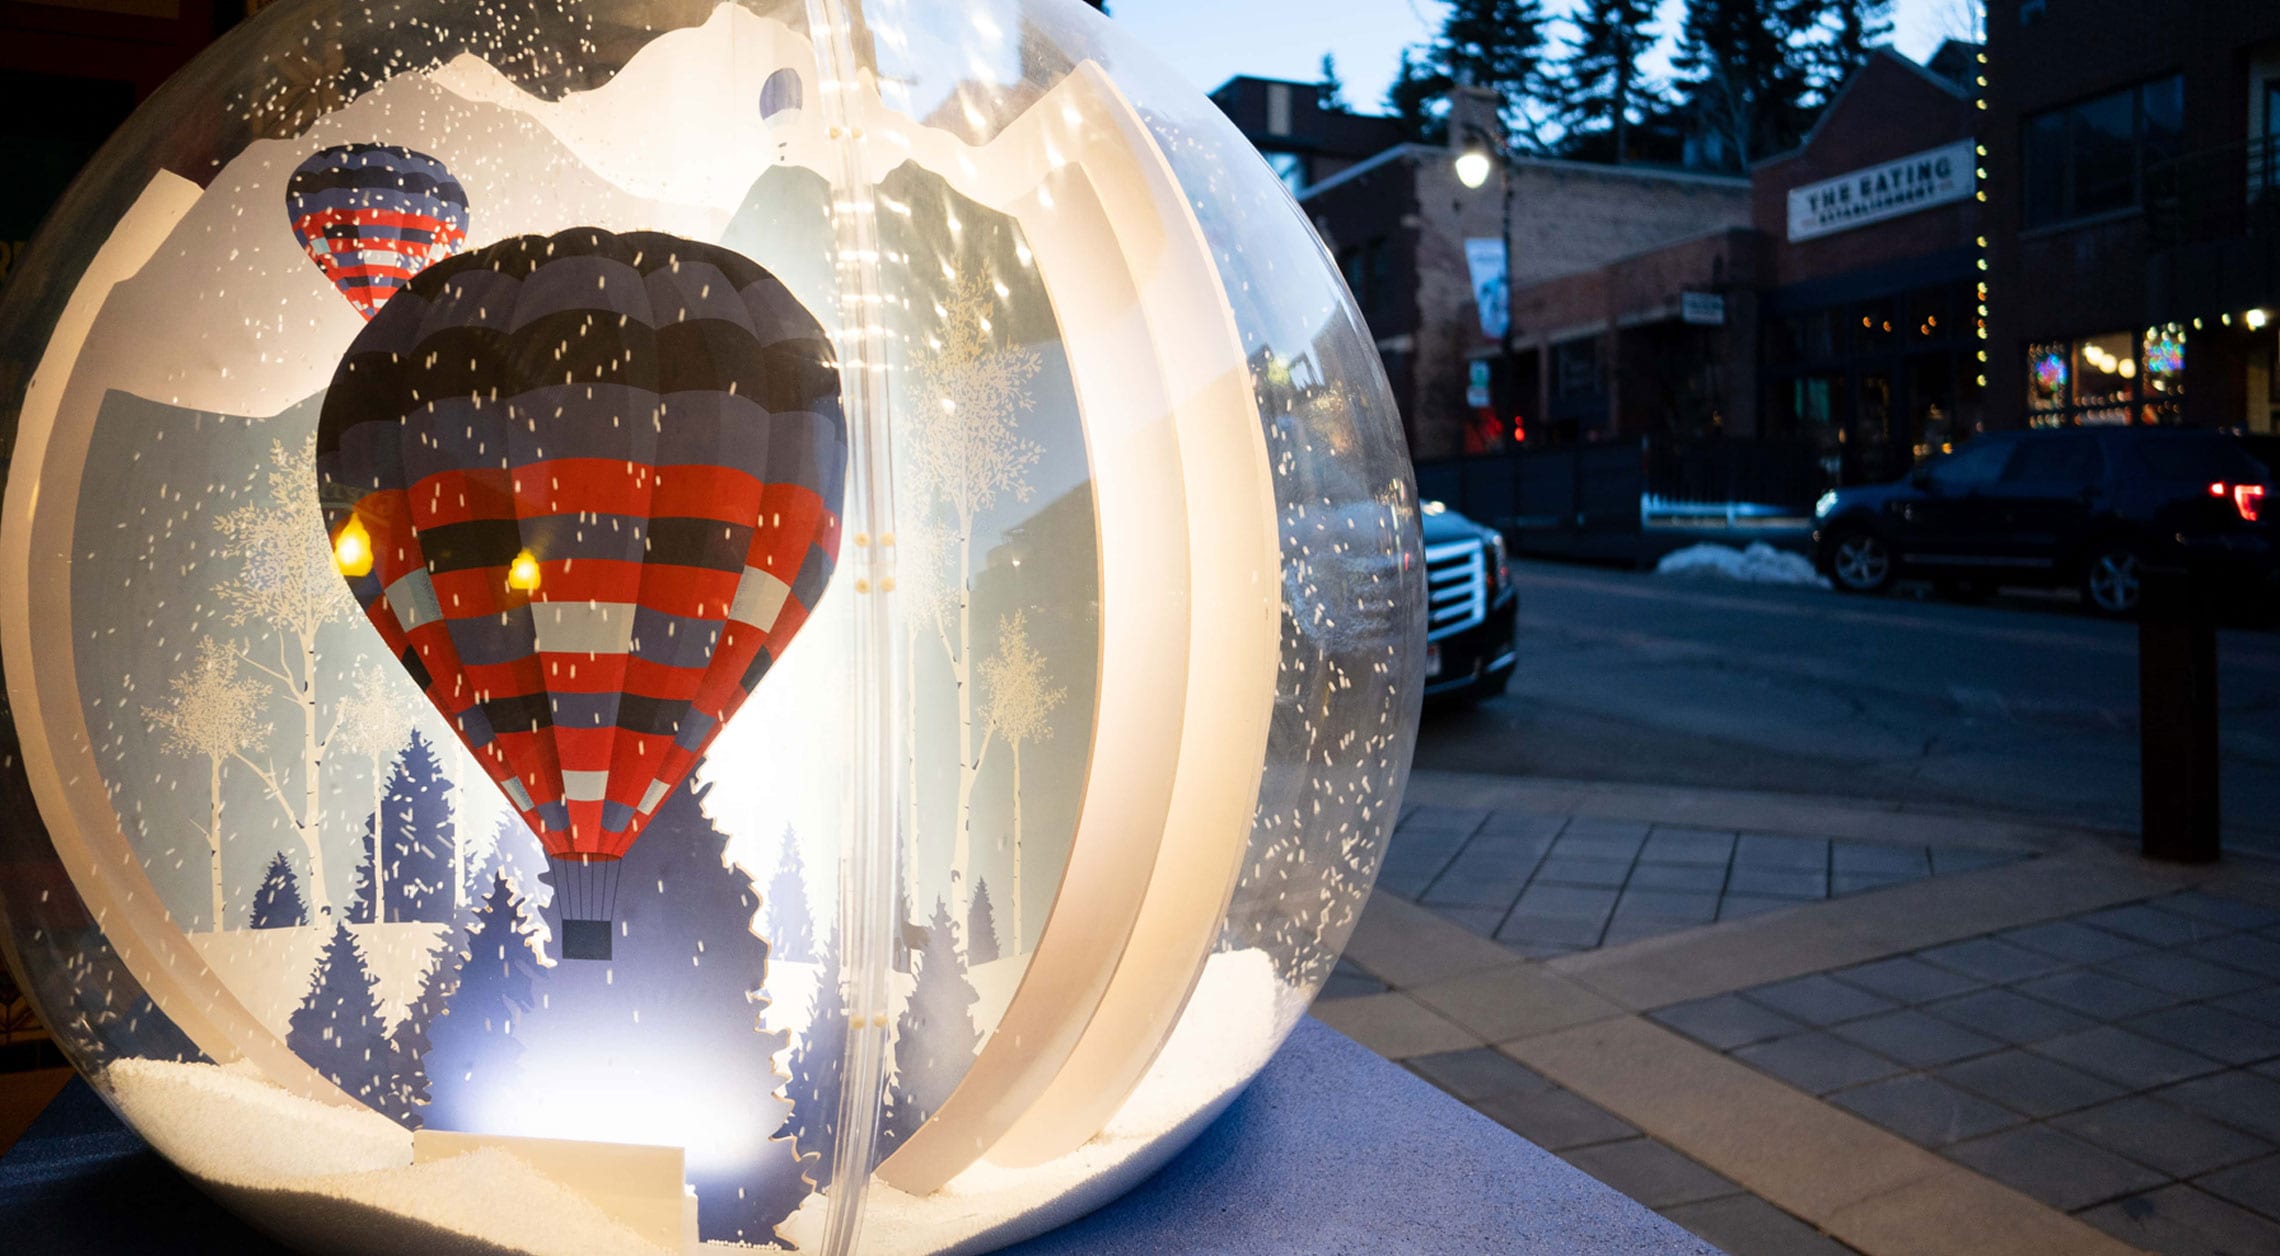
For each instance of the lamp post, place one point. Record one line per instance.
(1482, 154)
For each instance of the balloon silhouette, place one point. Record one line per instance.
(372, 216)
(587, 488)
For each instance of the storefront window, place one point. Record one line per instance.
(2047, 377)
(2116, 378)
(1576, 367)
(2105, 377)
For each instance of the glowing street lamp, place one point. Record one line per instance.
(1474, 165)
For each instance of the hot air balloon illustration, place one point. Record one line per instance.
(587, 488)
(372, 216)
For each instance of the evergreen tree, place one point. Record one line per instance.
(473, 1046)
(981, 928)
(417, 836)
(935, 1038)
(1495, 44)
(1749, 72)
(1331, 94)
(1603, 84)
(1417, 88)
(338, 1028)
(791, 936)
(361, 907)
(675, 1014)
(277, 901)
(408, 1042)
(1856, 27)
(816, 1082)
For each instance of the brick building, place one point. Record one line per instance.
(2133, 203)
(1399, 222)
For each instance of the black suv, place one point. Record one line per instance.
(1470, 608)
(2074, 506)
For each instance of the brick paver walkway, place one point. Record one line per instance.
(2074, 1056)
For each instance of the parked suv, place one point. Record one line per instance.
(1471, 608)
(2074, 506)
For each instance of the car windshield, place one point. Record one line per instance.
(1972, 466)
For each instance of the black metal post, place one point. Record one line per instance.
(1511, 305)
(2177, 717)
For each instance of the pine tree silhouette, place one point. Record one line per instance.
(981, 928)
(676, 1010)
(416, 831)
(791, 936)
(361, 908)
(474, 1045)
(338, 1028)
(408, 1042)
(935, 1039)
(816, 1082)
(277, 901)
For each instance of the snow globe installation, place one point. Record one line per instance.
(656, 624)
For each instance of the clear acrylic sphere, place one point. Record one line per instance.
(642, 624)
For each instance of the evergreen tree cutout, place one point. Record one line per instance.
(674, 1018)
(361, 899)
(816, 1080)
(416, 832)
(981, 928)
(409, 1044)
(791, 936)
(277, 901)
(935, 1038)
(473, 1045)
(338, 1028)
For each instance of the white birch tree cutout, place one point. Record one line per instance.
(375, 724)
(1019, 710)
(212, 713)
(966, 453)
(288, 584)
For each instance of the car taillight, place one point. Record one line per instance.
(2248, 499)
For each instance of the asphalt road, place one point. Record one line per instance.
(2017, 706)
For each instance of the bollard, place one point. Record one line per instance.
(2177, 716)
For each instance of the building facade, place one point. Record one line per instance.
(2133, 209)
(1425, 258)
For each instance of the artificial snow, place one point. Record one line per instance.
(309, 1170)
(1759, 564)
(1231, 1027)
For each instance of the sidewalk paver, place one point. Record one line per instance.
(1988, 1039)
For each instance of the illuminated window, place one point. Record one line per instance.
(2115, 378)
(2047, 377)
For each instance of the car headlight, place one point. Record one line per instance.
(1827, 503)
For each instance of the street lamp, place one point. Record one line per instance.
(1474, 166)
(1481, 154)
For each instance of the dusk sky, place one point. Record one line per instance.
(1211, 41)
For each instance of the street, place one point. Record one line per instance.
(2017, 707)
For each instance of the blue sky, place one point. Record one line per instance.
(1211, 41)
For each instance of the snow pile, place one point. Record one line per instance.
(1230, 1029)
(1759, 564)
(312, 1170)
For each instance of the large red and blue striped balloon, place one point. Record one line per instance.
(372, 216)
(587, 488)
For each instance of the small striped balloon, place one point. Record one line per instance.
(372, 216)
(587, 488)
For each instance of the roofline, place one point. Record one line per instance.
(1365, 166)
(1233, 79)
(1420, 150)
(1885, 51)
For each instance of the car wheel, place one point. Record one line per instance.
(1860, 562)
(2113, 580)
